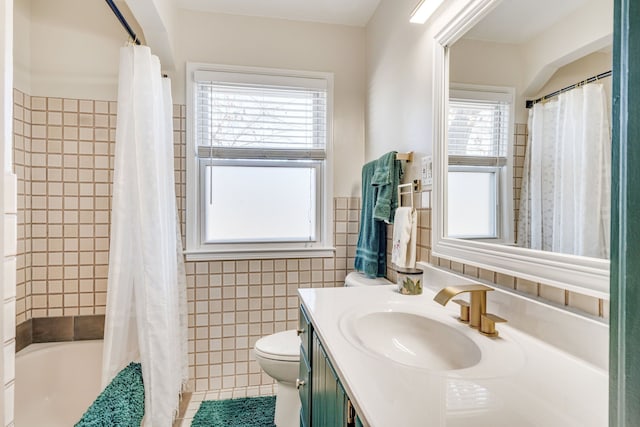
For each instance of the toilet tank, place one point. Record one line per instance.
(359, 279)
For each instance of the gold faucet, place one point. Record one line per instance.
(473, 312)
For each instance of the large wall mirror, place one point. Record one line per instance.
(523, 187)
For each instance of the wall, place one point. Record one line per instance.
(487, 63)
(584, 31)
(63, 152)
(399, 69)
(22, 46)
(399, 78)
(579, 70)
(71, 48)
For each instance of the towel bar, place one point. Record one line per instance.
(414, 187)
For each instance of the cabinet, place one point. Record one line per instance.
(324, 402)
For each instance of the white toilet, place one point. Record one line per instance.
(279, 355)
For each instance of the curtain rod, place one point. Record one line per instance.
(123, 21)
(530, 103)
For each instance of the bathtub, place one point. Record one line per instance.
(56, 382)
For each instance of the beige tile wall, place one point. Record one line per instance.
(64, 156)
(22, 169)
(519, 148)
(64, 197)
(9, 215)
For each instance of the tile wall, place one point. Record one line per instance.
(519, 148)
(22, 169)
(63, 158)
(8, 213)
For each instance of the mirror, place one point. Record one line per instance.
(525, 191)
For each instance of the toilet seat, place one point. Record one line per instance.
(283, 346)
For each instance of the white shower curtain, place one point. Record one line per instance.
(146, 295)
(565, 196)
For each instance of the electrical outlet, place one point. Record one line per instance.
(426, 172)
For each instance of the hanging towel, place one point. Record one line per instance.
(403, 252)
(380, 180)
(388, 174)
(372, 239)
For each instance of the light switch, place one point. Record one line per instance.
(426, 172)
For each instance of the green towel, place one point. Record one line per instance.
(372, 239)
(387, 177)
(380, 180)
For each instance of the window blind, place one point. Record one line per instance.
(478, 131)
(235, 118)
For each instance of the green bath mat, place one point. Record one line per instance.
(121, 404)
(244, 412)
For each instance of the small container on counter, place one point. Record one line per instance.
(409, 280)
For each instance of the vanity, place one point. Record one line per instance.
(374, 357)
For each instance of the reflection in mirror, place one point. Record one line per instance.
(532, 177)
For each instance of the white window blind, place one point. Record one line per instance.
(478, 132)
(245, 119)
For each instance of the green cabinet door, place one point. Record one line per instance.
(305, 331)
(324, 402)
(304, 391)
(329, 400)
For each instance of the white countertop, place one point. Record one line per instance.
(520, 380)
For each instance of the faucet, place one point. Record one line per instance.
(475, 312)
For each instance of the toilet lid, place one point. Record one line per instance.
(279, 346)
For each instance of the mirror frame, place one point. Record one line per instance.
(589, 276)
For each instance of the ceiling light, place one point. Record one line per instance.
(424, 10)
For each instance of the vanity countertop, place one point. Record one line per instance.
(520, 381)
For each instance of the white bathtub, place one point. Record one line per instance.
(56, 382)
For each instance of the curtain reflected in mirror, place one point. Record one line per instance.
(565, 196)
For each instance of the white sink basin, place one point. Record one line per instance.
(414, 340)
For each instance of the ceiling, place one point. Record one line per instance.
(518, 21)
(346, 12)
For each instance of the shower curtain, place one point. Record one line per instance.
(564, 204)
(146, 295)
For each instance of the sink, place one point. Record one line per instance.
(414, 340)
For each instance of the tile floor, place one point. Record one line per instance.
(198, 397)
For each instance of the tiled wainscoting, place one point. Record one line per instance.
(8, 253)
(63, 158)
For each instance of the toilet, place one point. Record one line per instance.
(279, 355)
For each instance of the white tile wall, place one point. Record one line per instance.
(9, 224)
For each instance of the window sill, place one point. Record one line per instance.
(209, 255)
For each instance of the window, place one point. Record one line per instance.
(479, 148)
(259, 172)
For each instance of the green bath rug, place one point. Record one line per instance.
(244, 412)
(121, 404)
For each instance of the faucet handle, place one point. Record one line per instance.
(464, 310)
(488, 324)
